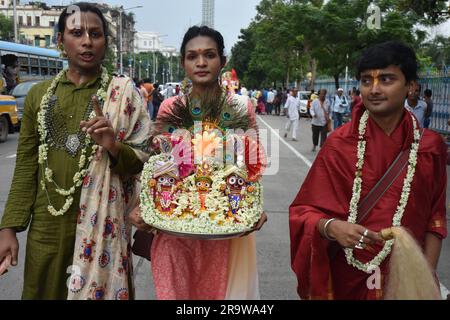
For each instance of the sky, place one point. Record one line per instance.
(174, 17)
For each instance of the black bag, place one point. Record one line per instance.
(142, 244)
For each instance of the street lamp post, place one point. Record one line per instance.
(15, 21)
(140, 61)
(346, 76)
(121, 10)
(154, 67)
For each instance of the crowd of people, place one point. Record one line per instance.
(326, 112)
(86, 135)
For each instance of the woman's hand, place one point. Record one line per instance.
(350, 235)
(136, 220)
(100, 130)
(258, 225)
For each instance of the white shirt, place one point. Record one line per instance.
(270, 97)
(419, 110)
(293, 107)
(338, 101)
(318, 114)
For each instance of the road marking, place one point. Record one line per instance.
(11, 156)
(298, 154)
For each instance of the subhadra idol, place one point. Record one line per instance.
(205, 182)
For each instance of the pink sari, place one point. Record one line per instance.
(189, 269)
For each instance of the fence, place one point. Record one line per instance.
(438, 82)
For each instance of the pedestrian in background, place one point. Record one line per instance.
(340, 106)
(415, 105)
(429, 101)
(320, 113)
(292, 109)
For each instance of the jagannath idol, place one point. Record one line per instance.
(195, 186)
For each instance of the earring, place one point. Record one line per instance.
(63, 53)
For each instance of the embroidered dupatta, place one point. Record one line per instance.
(101, 267)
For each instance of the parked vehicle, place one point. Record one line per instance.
(20, 92)
(8, 116)
(304, 98)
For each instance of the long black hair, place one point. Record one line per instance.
(84, 7)
(206, 31)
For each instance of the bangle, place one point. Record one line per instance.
(325, 233)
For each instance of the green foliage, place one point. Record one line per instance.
(289, 38)
(110, 61)
(145, 60)
(6, 28)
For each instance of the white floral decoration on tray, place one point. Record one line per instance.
(212, 200)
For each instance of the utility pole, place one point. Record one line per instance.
(15, 22)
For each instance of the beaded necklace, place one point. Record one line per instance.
(71, 144)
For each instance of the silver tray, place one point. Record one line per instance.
(202, 236)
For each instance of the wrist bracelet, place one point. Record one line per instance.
(325, 233)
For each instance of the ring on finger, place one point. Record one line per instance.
(366, 233)
(359, 246)
(362, 239)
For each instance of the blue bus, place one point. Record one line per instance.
(34, 63)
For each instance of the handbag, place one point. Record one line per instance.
(329, 127)
(142, 244)
(372, 198)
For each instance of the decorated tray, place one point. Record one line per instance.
(205, 181)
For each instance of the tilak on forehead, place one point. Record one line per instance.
(376, 76)
(78, 18)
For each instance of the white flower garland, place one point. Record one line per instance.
(47, 173)
(412, 162)
(213, 220)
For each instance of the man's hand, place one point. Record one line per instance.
(101, 131)
(348, 235)
(9, 246)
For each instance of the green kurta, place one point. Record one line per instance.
(50, 243)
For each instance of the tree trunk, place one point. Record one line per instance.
(287, 78)
(313, 64)
(336, 80)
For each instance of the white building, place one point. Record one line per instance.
(147, 41)
(151, 42)
(36, 24)
(208, 13)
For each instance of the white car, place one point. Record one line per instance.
(304, 98)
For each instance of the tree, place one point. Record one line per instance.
(6, 28)
(110, 61)
(438, 50)
(428, 12)
(290, 38)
